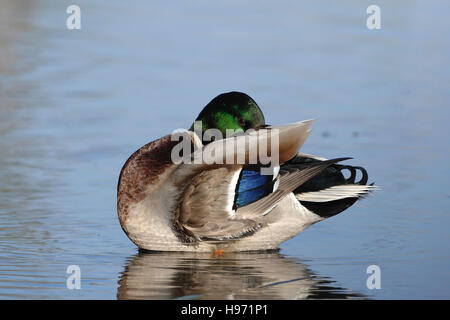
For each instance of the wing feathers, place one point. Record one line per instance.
(205, 212)
(288, 182)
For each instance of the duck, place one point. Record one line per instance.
(189, 204)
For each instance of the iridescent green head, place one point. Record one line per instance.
(232, 110)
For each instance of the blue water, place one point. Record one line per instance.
(74, 104)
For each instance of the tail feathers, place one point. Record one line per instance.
(337, 193)
(330, 192)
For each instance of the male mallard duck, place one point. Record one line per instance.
(166, 205)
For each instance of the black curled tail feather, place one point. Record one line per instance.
(353, 169)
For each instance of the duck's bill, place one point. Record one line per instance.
(271, 145)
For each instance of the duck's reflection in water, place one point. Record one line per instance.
(270, 275)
